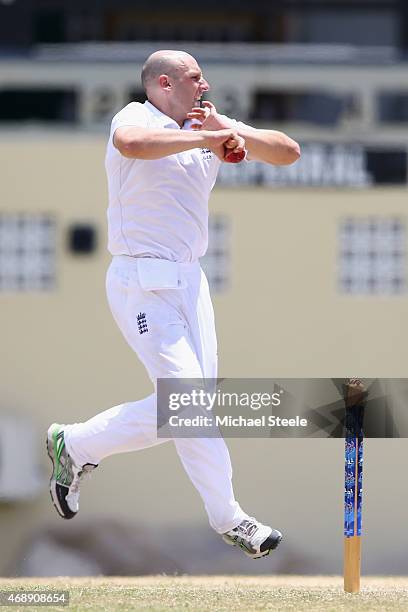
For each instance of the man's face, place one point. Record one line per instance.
(189, 85)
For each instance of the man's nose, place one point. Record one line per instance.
(205, 85)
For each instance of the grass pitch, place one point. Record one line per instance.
(217, 593)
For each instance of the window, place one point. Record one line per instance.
(177, 24)
(347, 24)
(372, 254)
(393, 107)
(387, 165)
(27, 252)
(317, 107)
(48, 26)
(38, 105)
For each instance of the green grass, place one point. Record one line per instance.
(217, 593)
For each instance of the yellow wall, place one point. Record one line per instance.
(63, 358)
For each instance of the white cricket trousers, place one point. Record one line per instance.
(174, 336)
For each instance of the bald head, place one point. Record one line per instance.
(173, 82)
(162, 62)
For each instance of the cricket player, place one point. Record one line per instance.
(162, 161)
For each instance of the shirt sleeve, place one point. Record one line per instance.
(134, 114)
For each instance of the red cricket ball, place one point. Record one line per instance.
(234, 158)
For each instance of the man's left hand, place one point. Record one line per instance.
(207, 118)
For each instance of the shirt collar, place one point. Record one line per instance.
(164, 119)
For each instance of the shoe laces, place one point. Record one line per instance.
(79, 475)
(252, 531)
(247, 528)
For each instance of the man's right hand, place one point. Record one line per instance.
(223, 142)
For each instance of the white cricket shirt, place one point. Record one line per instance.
(158, 208)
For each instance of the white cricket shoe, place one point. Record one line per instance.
(66, 476)
(255, 539)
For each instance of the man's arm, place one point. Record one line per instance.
(269, 146)
(145, 143)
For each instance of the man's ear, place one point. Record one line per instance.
(164, 81)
